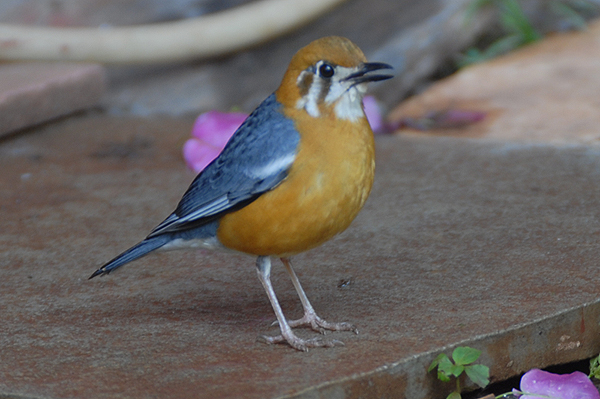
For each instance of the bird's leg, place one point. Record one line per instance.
(263, 268)
(310, 317)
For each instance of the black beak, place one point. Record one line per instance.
(361, 76)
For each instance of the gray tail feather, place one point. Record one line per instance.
(133, 253)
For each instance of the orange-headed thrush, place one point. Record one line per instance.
(294, 174)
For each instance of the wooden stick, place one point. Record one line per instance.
(207, 36)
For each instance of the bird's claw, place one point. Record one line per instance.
(302, 344)
(321, 326)
(315, 323)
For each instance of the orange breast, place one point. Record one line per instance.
(327, 186)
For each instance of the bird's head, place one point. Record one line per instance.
(329, 77)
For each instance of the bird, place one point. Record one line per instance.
(295, 174)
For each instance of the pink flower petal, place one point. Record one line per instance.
(210, 133)
(373, 113)
(560, 386)
(215, 128)
(198, 154)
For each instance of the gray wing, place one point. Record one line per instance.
(255, 160)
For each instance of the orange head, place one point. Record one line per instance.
(328, 76)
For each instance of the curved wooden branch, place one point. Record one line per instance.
(202, 37)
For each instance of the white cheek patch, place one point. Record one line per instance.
(336, 90)
(310, 101)
(347, 98)
(349, 105)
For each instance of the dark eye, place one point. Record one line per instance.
(326, 71)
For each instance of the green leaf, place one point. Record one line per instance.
(445, 365)
(454, 395)
(436, 361)
(464, 355)
(445, 371)
(595, 367)
(479, 374)
(456, 370)
(514, 20)
(443, 376)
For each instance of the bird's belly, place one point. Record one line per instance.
(301, 213)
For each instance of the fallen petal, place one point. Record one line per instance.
(539, 384)
(373, 113)
(198, 154)
(215, 128)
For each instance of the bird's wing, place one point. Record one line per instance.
(255, 160)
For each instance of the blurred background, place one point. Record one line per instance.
(423, 39)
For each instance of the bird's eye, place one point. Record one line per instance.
(326, 71)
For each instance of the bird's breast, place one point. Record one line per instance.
(327, 185)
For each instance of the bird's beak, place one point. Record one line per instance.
(361, 76)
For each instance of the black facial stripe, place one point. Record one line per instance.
(325, 85)
(305, 84)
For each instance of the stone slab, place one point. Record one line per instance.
(32, 93)
(545, 92)
(463, 242)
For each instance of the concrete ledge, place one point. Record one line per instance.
(32, 93)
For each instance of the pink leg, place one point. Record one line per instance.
(310, 317)
(263, 265)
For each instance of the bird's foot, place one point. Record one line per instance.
(302, 344)
(318, 324)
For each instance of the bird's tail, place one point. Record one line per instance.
(133, 253)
